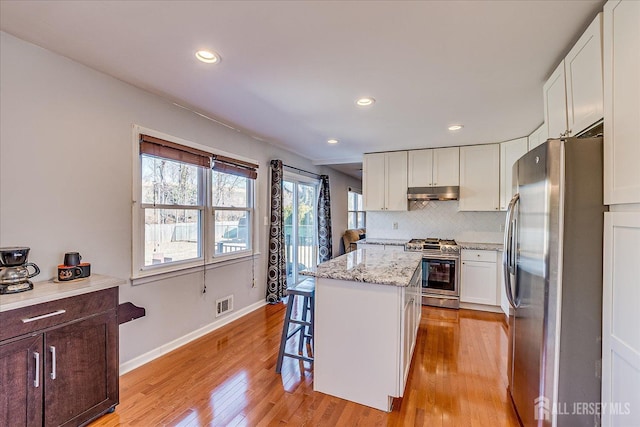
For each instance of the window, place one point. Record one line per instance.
(173, 207)
(194, 206)
(231, 199)
(355, 209)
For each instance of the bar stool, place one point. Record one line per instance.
(304, 324)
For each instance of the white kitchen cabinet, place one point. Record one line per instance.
(376, 246)
(621, 317)
(621, 102)
(384, 178)
(583, 69)
(478, 279)
(573, 92)
(434, 167)
(537, 137)
(510, 152)
(504, 302)
(555, 103)
(479, 178)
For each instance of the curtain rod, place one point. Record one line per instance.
(302, 170)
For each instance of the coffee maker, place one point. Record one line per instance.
(14, 270)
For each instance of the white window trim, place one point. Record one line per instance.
(138, 270)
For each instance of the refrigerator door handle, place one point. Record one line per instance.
(509, 252)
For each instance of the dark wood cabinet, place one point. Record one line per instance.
(66, 373)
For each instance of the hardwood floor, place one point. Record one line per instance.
(227, 378)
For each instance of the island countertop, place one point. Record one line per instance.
(374, 266)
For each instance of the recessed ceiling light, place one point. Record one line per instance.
(208, 56)
(332, 141)
(365, 101)
(455, 127)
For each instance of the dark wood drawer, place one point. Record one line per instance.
(41, 316)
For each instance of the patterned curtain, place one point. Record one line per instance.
(324, 220)
(277, 271)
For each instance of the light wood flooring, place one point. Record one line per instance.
(227, 378)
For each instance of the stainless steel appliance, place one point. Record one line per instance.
(433, 193)
(14, 270)
(440, 271)
(553, 279)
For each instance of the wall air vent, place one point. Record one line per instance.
(224, 305)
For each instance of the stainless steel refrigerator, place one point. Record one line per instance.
(553, 280)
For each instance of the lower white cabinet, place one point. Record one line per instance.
(620, 318)
(391, 248)
(478, 280)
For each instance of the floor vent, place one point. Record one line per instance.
(224, 305)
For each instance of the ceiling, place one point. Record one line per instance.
(291, 71)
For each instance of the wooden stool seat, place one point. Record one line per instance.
(304, 324)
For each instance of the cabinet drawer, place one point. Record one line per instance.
(474, 255)
(41, 316)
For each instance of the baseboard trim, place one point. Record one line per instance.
(136, 362)
(481, 307)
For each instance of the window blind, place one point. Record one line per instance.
(234, 166)
(157, 147)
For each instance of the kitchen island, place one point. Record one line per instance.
(367, 308)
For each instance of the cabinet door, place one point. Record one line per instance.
(373, 181)
(621, 317)
(510, 151)
(446, 166)
(537, 137)
(622, 102)
(21, 382)
(396, 191)
(583, 68)
(420, 170)
(478, 282)
(81, 368)
(555, 103)
(479, 178)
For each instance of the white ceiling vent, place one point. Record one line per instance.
(224, 305)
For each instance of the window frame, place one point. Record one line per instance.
(207, 233)
(356, 212)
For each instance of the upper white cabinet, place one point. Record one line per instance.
(537, 137)
(479, 178)
(573, 98)
(583, 69)
(435, 167)
(384, 178)
(555, 103)
(622, 102)
(510, 151)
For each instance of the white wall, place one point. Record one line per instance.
(437, 219)
(66, 177)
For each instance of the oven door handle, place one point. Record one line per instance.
(509, 252)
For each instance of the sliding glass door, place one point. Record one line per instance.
(300, 229)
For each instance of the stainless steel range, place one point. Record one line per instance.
(440, 271)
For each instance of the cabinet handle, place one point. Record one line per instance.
(36, 381)
(43, 316)
(52, 349)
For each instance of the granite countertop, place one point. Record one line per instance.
(51, 291)
(481, 246)
(374, 241)
(374, 266)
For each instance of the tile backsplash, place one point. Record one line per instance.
(437, 219)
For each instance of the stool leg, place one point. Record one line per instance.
(285, 332)
(303, 329)
(312, 319)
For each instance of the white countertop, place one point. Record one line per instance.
(375, 266)
(375, 241)
(51, 291)
(481, 246)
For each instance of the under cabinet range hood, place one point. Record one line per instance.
(433, 193)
